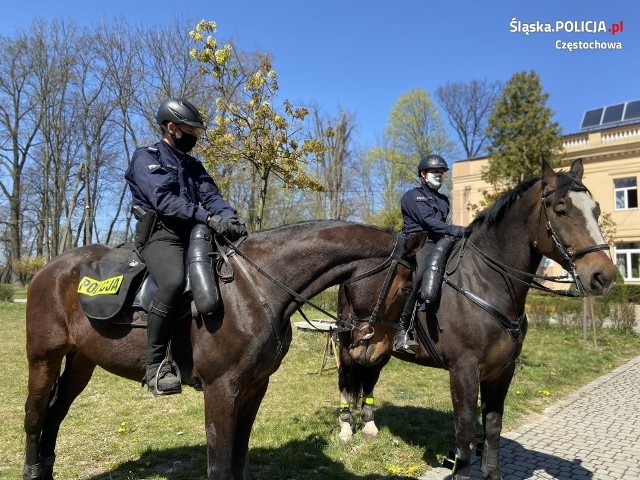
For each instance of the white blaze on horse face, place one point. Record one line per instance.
(587, 205)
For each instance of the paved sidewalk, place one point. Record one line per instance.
(592, 434)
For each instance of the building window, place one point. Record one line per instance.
(626, 192)
(628, 260)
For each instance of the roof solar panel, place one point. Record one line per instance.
(633, 110)
(620, 113)
(592, 118)
(613, 113)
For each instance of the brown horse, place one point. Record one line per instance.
(232, 353)
(480, 324)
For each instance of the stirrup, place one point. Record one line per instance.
(403, 343)
(173, 366)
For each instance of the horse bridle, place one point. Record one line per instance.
(570, 257)
(390, 265)
(514, 326)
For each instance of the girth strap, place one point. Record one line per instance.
(395, 258)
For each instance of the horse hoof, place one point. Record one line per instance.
(370, 431)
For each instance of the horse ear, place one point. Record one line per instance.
(548, 174)
(414, 243)
(576, 169)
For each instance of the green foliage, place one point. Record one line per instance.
(388, 217)
(608, 228)
(568, 311)
(415, 129)
(633, 294)
(521, 132)
(390, 167)
(542, 307)
(326, 300)
(7, 291)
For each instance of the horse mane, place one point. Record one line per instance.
(496, 212)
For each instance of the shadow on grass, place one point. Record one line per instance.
(429, 429)
(299, 459)
(305, 459)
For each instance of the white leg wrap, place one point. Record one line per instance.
(346, 434)
(370, 431)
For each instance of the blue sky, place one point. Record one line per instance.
(362, 55)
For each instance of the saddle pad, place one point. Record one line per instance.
(105, 285)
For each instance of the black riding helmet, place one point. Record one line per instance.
(179, 111)
(432, 161)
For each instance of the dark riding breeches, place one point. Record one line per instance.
(164, 255)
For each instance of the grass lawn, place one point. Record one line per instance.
(116, 431)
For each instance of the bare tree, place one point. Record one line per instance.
(468, 107)
(54, 161)
(336, 135)
(21, 114)
(119, 48)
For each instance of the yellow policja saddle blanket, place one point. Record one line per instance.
(108, 284)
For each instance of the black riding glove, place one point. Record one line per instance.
(460, 231)
(230, 227)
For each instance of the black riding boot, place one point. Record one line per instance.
(161, 377)
(402, 342)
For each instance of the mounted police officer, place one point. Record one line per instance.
(424, 209)
(174, 193)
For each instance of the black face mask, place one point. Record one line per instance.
(186, 142)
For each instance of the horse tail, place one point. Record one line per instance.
(350, 381)
(53, 394)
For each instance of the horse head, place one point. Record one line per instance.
(571, 235)
(371, 333)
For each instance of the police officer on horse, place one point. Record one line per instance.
(423, 209)
(174, 193)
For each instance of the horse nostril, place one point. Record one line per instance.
(600, 281)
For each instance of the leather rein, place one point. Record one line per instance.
(390, 265)
(514, 326)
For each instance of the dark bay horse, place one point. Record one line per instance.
(481, 324)
(233, 352)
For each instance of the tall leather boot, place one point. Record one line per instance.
(160, 377)
(402, 342)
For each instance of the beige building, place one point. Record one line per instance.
(611, 156)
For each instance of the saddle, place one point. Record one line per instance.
(121, 280)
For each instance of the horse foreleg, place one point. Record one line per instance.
(349, 385)
(493, 395)
(246, 418)
(221, 416)
(464, 385)
(370, 376)
(345, 419)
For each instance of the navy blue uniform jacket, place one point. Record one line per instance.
(424, 209)
(176, 186)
